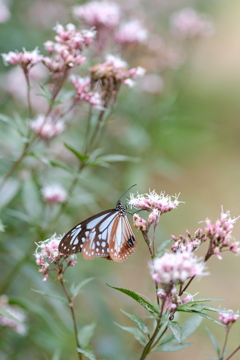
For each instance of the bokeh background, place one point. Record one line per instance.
(182, 125)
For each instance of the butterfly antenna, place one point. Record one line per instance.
(127, 191)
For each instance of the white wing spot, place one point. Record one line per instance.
(102, 250)
(97, 249)
(104, 243)
(86, 233)
(93, 246)
(81, 246)
(83, 239)
(92, 252)
(78, 227)
(64, 247)
(98, 243)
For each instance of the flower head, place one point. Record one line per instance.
(25, 59)
(189, 242)
(131, 32)
(54, 193)
(220, 234)
(46, 127)
(98, 13)
(161, 202)
(187, 23)
(228, 318)
(16, 312)
(174, 267)
(84, 92)
(47, 253)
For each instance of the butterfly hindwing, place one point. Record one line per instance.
(84, 232)
(122, 240)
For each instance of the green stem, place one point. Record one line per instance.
(225, 342)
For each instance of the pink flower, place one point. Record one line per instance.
(131, 33)
(84, 92)
(220, 234)
(161, 202)
(54, 194)
(25, 59)
(47, 253)
(139, 223)
(189, 242)
(228, 318)
(187, 23)
(99, 14)
(15, 311)
(174, 267)
(4, 12)
(46, 127)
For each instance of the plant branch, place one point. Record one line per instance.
(233, 353)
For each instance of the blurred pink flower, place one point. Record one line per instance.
(228, 318)
(174, 267)
(15, 311)
(54, 193)
(4, 12)
(47, 253)
(84, 93)
(187, 23)
(131, 32)
(152, 83)
(46, 127)
(139, 223)
(25, 59)
(98, 14)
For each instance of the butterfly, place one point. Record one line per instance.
(107, 234)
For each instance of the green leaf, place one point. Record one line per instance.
(176, 330)
(138, 322)
(204, 300)
(116, 158)
(138, 298)
(31, 199)
(82, 158)
(19, 215)
(8, 191)
(2, 227)
(136, 332)
(53, 296)
(214, 341)
(85, 334)
(8, 315)
(172, 347)
(200, 313)
(190, 326)
(88, 352)
(162, 247)
(61, 165)
(76, 289)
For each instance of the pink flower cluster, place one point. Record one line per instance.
(46, 127)
(67, 50)
(54, 193)
(47, 252)
(172, 299)
(16, 312)
(116, 69)
(173, 267)
(84, 93)
(228, 318)
(25, 59)
(163, 203)
(144, 225)
(187, 23)
(189, 242)
(98, 14)
(132, 33)
(220, 234)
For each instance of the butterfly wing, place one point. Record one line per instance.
(82, 233)
(122, 242)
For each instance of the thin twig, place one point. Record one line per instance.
(233, 353)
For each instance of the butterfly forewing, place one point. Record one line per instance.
(107, 235)
(82, 233)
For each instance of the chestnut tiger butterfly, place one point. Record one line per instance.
(107, 234)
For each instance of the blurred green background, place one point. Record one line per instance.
(187, 140)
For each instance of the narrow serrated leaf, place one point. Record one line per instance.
(172, 347)
(81, 157)
(162, 247)
(85, 334)
(176, 330)
(137, 298)
(138, 322)
(8, 315)
(61, 165)
(76, 289)
(190, 326)
(88, 352)
(53, 296)
(116, 158)
(214, 341)
(136, 332)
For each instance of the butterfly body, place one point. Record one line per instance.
(107, 234)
